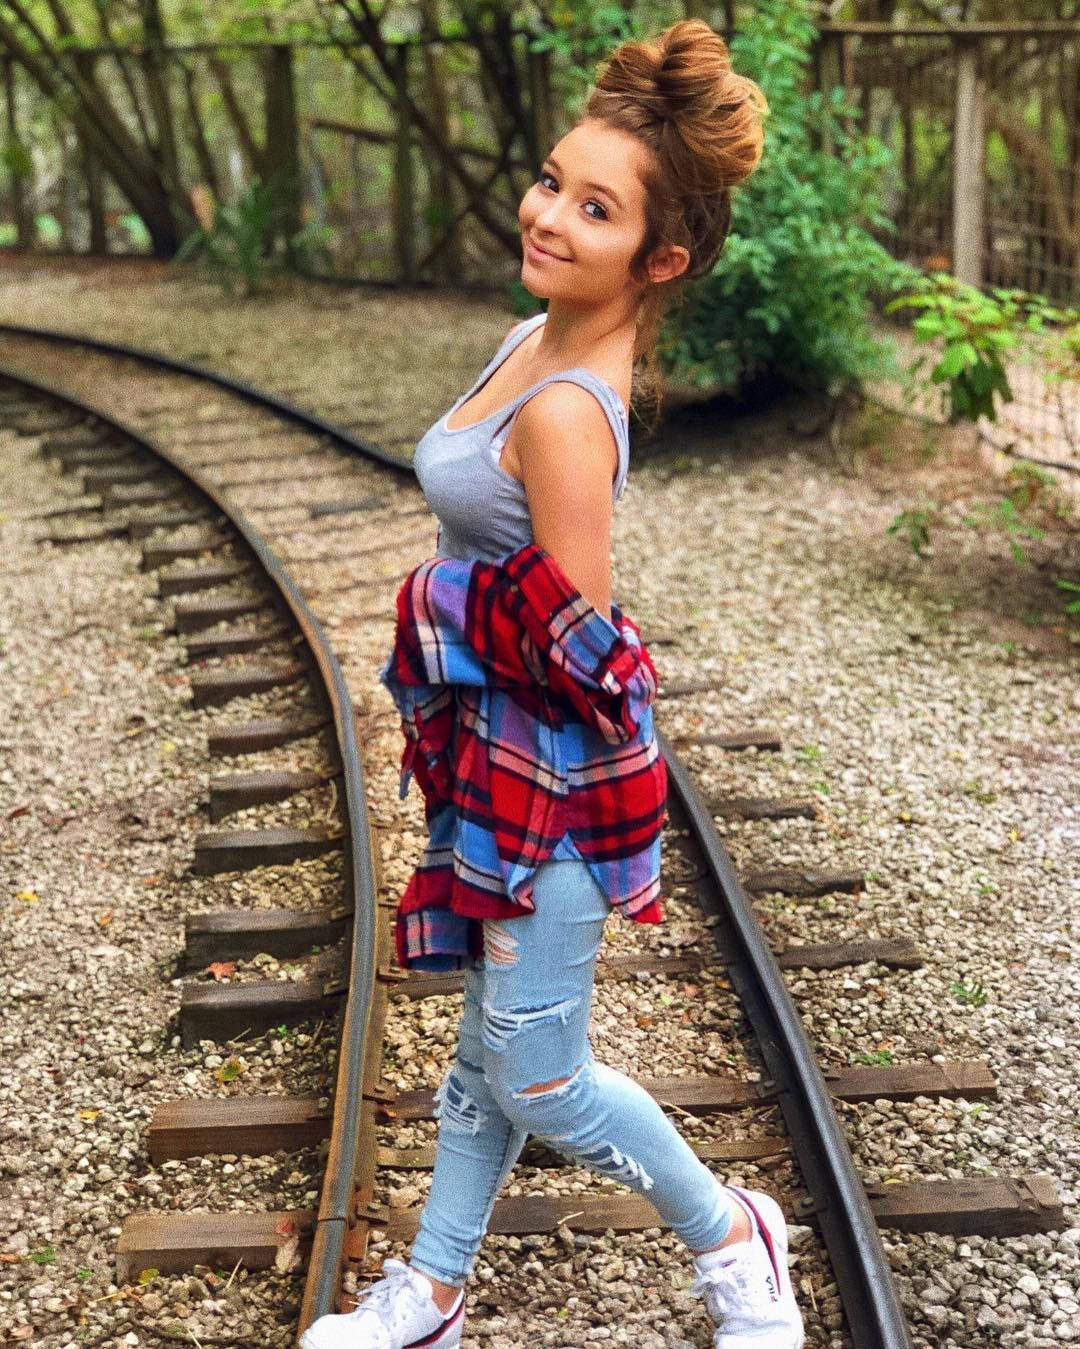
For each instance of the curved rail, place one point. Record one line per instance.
(863, 1276)
(292, 412)
(321, 1286)
(849, 1227)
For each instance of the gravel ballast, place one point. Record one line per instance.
(930, 708)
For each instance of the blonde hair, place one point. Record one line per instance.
(678, 94)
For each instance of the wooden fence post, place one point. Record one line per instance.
(969, 165)
(403, 169)
(281, 157)
(15, 147)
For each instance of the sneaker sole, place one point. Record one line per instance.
(447, 1336)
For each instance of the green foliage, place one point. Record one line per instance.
(47, 229)
(790, 293)
(243, 246)
(914, 524)
(1072, 588)
(974, 994)
(978, 331)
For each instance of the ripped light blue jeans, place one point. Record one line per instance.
(525, 1025)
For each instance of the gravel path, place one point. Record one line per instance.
(928, 705)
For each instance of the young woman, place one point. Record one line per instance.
(631, 202)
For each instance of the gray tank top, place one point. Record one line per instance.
(482, 509)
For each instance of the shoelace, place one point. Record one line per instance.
(726, 1286)
(397, 1279)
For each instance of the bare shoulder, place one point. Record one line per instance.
(564, 421)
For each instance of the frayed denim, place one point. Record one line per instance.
(525, 1026)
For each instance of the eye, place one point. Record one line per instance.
(591, 202)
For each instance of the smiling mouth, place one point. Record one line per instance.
(547, 254)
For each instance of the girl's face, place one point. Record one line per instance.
(587, 211)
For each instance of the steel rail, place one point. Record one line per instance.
(293, 412)
(848, 1226)
(335, 1206)
(863, 1277)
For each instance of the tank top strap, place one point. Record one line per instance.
(605, 395)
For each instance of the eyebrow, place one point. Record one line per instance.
(596, 187)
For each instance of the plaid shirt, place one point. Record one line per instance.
(528, 726)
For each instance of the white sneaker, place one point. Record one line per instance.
(397, 1313)
(746, 1285)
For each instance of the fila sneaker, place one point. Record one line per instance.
(747, 1287)
(397, 1313)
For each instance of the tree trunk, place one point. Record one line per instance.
(441, 185)
(18, 183)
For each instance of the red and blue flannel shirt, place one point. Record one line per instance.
(528, 727)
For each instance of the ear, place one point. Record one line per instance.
(667, 261)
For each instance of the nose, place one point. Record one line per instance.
(549, 216)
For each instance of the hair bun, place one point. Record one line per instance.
(683, 83)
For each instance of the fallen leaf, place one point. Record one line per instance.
(9, 1258)
(27, 896)
(645, 1021)
(286, 1227)
(221, 969)
(230, 1070)
(105, 917)
(19, 810)
(150, 880)
(169, 747)
(89, 1114)
(148, 1276)
(690, 990)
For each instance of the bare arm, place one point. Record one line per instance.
(568, 458)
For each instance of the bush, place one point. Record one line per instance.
(241, 244)
(790, 294)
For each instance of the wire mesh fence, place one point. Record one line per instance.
(984, 127)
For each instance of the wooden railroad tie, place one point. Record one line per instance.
(69, 461)
(141, 494)
(706, 1095)
(242, 849)
(193, 1127)
(174, 1242)
(99, 535)
(192, 615)
(234, 934)
(220, 686)
(233, 641)
(185, 580)
(249, 737)
(897, 953)
(161, 554)
(105, 477)
(144, 526)
(238, 791)
(222, 1011)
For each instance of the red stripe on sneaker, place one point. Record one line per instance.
(439, 1330)
(765, 1234)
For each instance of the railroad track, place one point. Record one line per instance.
(333, 523)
